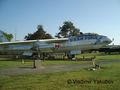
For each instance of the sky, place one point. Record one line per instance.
(95, 16)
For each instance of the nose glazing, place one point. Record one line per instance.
(106, 40)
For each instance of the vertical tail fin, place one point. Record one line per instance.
(3, 37)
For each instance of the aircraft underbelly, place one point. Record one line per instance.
(77, 47)
(69, 48)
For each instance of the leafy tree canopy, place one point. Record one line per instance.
(39, 34)
(8, 36)
(67, 30)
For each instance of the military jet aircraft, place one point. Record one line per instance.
(70, 46)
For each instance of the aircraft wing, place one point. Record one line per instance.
(33, 41)
(17, 42)
(4, 40)
(56, 40)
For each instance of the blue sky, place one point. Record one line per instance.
(23, 16)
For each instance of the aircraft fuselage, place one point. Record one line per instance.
(74, 43)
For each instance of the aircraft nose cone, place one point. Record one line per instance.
(110, 41)
(107, 41)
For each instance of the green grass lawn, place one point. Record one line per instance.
(100, 56)
(28, 63)
(14, 63)
(69, 80)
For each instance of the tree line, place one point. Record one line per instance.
(66, 30)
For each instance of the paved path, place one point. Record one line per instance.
(43, 69)
(48, 68)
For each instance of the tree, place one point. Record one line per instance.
(39, 34)
(67, 30)
(28, 37)
(8, 36)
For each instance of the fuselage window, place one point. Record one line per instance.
(80, 38)
(94, 37)
(86, 37)
(90, 37)
(75, 39)
(71, 40)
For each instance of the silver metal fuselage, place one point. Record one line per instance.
(82, 42)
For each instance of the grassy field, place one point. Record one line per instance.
(28, 63)
(14, 63)
(72, 80)
(17, 63)
(107, 78)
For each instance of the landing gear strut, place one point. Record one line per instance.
(71, 56)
